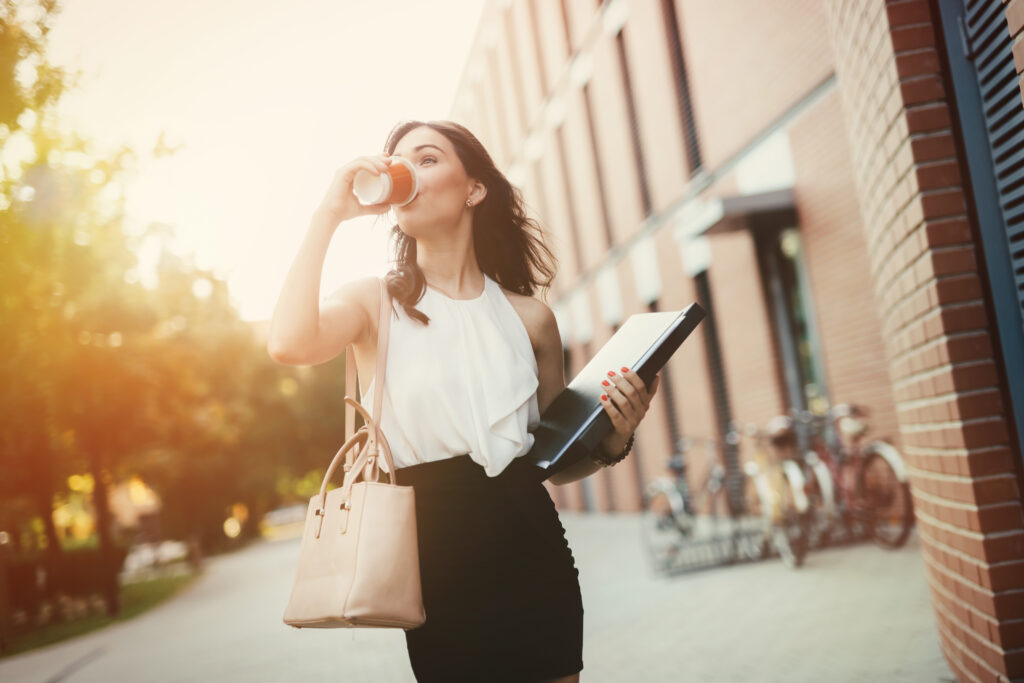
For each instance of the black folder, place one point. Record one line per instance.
(576, 422)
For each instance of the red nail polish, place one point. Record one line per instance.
(611, 373)
(625, 369)
(605, 382)
(603, 397)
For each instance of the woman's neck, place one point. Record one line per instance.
(458, 278)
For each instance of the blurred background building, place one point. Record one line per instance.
(839, 184)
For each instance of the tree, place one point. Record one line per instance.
(27, 81)
(100, 373)
(29, 86)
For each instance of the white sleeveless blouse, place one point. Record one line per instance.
(465, 383)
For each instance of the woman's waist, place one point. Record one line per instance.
(462, 468)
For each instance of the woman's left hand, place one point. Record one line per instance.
(625, 399)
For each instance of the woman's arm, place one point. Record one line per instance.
(301, 332)
(305, 331)
(295, 324)
(550, 358)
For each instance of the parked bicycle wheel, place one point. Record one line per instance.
(791, 531)
(821, 497)
(754, 533)
(664, 522)
(780, 524)
(884, 495)
(780, 496)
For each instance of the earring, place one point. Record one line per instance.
(469, 203)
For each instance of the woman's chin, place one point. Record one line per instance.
(414, 222)
(421, 223)
(412, 227)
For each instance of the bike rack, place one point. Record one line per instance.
(707, 552)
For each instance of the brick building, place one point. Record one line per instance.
(837, 183)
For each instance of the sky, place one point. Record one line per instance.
(266, 100)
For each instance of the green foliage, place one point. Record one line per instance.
(101, 373)
(23, 30)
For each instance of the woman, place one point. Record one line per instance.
(473, 360)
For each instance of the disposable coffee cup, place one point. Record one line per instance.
(397, 185)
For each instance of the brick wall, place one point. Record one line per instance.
(836, 259)
(923, 255)
(789, 65)
(745, 332)
(748, 62)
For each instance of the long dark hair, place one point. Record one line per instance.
(507, 243)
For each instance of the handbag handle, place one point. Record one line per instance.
(383, 334)
(366, 458)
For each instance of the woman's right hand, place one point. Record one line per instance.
(340, 203)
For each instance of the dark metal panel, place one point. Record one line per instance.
(988, 103)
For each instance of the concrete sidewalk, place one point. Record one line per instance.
(859, 613)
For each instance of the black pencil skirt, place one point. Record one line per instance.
(500, 586)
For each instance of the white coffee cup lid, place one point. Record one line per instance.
(371, 189)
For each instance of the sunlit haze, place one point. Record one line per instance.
(265, 100)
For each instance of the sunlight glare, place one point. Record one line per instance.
(236, 160)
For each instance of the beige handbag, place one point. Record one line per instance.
(359, 560)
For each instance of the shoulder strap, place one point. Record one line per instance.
(383, 330)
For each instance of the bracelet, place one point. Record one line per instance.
(605, 460)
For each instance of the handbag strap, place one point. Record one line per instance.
(383, 332)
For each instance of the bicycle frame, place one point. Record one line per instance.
(690, 527)
(820, 433)
(712, 483)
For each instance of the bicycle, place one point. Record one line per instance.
(779, 496)
(864, 489)
(817, 501)
(676, 520)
